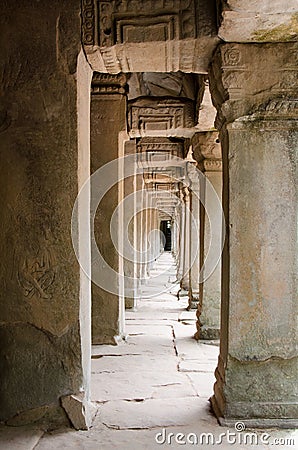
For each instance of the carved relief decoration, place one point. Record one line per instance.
(36, 274)
(88, 22)
(160, 145)
(105, 83)
(242, 78)
(161, 115)
(121, 21)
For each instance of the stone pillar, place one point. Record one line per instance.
(185, 280)
(207, 151)
(181, 236)
(108, 119)
(257, 369)
(144, 242)
(194, 295)
(138, 180)
(129, 264)
(45, 299)
(174, 235)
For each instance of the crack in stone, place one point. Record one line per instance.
(118, 427)
(39, 439)
(174, 341)
(193, 386)
(260, 361)
(123, 354)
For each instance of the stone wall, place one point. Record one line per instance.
(40, 330)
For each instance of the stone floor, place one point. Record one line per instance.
(152, 386)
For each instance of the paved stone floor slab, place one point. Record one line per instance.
(152, 413)
(19, 438)
(133, 363)
(138, 385)
(195, 366)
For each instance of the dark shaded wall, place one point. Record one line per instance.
(40, 354)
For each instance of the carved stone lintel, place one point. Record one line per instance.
(105, 83)
(160, 144)
(131, 21)
(157, 114)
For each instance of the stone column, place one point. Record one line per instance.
(108, 119)
(181, 235)
(137, 237)
(185, 280)
(257, 369)
(44, 140)
(129, 264)
(207, 151)
(177, 234)
(144, 243)
(194, 295)
(174, 235)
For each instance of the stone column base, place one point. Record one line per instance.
(129, 303)
(182, 293)
(206, 333)
(192, 303)
(255, 409)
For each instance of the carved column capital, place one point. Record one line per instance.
(105, 83)
(186, 194)
(207, 150)
(245, 76)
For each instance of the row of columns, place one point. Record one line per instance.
(195, 235)
(256, 373)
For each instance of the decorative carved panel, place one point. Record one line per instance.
(161, 145)
(161, 115)
(88, 22)
(127, 21)
(243, 77)
(105, 83)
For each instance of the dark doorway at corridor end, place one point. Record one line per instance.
(165, 227)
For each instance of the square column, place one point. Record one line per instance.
(258, 363)
(185, 256)
(194, 293)
(207, 151)
(108, 119)
(181, 235)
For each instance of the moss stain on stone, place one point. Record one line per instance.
(283, 33)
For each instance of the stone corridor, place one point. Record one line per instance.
(159, 378)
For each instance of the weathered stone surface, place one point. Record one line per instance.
(259, 268)
(50, 358)
(137, 363)
(241, 80)
(152, 413)
(203, 382)
(108, 110)
(39, 161)
(79, 414)
(164, 38)
(20, 438)
(140, 385)
(41, 417)
(258, 21)
(197, 366)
